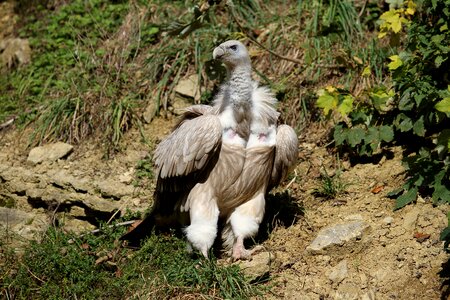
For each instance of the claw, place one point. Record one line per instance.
(239, 251)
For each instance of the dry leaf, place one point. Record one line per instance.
(377, 189)
(421, 237)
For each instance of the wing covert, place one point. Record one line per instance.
(189, 147)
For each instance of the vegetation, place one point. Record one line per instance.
(380, 74)
(64, 266)
(412, 110)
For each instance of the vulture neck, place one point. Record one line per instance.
(236, 110)
(240, 85)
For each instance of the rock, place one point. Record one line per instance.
(347, 291)
(339, 272)
(77, 226)
(189, 87)
(388, 220)
(370, 295)
(179, 104)
(337, 235)
(114, 189)
(97, 204)
(14, 51)
(50, 152)
(150, 111)
(409, 220)
(258, 266)
(64, 180)
(126, 177)
(26, 225)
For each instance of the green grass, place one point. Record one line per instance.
(88, 80)
(331, 185)
(64, 266)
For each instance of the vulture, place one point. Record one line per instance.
(220, 161)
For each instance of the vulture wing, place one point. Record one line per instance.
(183, 159)
(286, 152)
(189, 147)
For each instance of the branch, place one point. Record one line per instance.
(7, 123)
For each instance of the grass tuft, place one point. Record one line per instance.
(64, 266)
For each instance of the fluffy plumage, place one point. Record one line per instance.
(220, 161)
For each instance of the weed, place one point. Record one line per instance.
(144, 171)
(331, 185)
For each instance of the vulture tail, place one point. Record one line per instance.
(137, 235)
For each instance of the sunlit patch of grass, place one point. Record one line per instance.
(136, 53)
(65, 266)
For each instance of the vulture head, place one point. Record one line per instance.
(232, 53)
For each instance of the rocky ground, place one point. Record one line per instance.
(353, 246)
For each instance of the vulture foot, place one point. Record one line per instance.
(240, 253)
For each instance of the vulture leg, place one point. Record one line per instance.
(204, 215)
(245, 222)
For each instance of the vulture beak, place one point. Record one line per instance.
(218, 53)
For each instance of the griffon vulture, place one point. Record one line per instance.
(220, 161)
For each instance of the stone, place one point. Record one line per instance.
(258, 266)
(370, 295)
(179, 104)
(347, 292)
(339, 272)
(337, 235)
(63, 179)
(26, 225)
(150, 112)
(49, 152)
(189, 87)
(14, 52)
(388, 220)
(114, 189)
(410, 219)
(126, 177)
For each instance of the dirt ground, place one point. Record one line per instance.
(398, 255)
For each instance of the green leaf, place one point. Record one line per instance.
(437, 39)
(403, 123)
(326, 101)
(366, 72)
(355, 136)
(443, 139)
(418, 127)
(406, 102)
(441, 192)
(380, 98)
(394, 193)
(445, 234)
(386, 133)
(339, 135)
(346, 106)
(439, 60)
(443, 105)
(395, 63)
(406, 198)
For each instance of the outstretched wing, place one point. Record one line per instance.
(286, 152)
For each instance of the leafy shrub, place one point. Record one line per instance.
(415, 112)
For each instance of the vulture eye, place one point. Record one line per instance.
(233, 47)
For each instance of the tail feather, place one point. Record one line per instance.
(136, 236)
